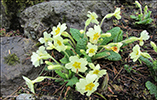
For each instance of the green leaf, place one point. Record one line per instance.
(155, 65)
(88, 58)
(60, 74)
(146, 61)
(71, 81)
(76, 34)
(119, 37)
(150, 66)
(81, 44)
(114, 32)
(101, 55)
(133, 17)
(147, 15)
(152, 88)
(29, 83)
(113, 56)
(145, 21)
(64, 60)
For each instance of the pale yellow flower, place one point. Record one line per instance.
(144, 36)
(116, 14)
(36, 59)
(47, 38)
(92, 49)
(58, 43)
(40, 54)
(136, 53)
(92, 18)
(77, 64)
(57, 31)
(50, 46)
(43, 53)
(94, 34)
(114, 46)
(89, 84)
(97, 71)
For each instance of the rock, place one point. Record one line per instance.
(46, 97)
(11, 75)
(4, 23)
(45, 15)
(25, 96)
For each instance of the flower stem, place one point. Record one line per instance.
(55, 60)
(52, 78)
(80, 75)
(85, 31)
(102, 21)
(72, 40)
(66, 54)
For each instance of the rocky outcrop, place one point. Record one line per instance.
(4, 23)
(11, 74)
(45, 15)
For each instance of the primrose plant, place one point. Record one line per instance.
(80, 49)
(142, 18)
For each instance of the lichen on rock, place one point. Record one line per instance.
(11, 59)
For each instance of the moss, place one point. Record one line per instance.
(11, 59)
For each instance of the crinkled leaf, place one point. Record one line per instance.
(60, 74)
(64, 60)
(113, 56)
(150, 66)
(81, 44)
(114, 32)
(101, 55)
(152, 88)
(76, 34)
(155, 65)
(88, 58)
(146, 61)
(119, 37)
(71, 81)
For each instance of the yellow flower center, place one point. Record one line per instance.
(77, 65)
(96, 36)
(114, 49)
(46, 39)
(137, 53)
(89, 86)
(57, 30)
(59, 43)
(92, 17)
(91, 50)
(96, 72)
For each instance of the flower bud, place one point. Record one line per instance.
(153, 45)
(83, 52)
(129, 40)
(48, 63)
(146, 55)
(65, 34)
(138, 4)
(66, 41)
(106, 35)
(81, 31)
(53, 67)
(68, 47)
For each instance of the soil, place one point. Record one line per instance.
(122, 84)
